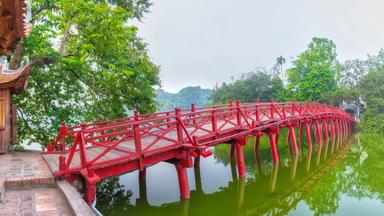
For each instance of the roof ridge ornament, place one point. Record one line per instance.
(4, 66)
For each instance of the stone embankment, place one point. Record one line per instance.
(27, 187)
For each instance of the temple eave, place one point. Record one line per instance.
(15, 82)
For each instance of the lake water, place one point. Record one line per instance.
(336, 178)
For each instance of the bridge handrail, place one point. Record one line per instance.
(130, 120)
(247, 116)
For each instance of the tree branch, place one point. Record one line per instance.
(41, 61)
(15, 60)
(65, 39)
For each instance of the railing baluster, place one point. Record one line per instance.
(168, 120)
(257, 111)
(83, 151)
(193, 110)
(179, 128)
(137, 135)
(238, 115)
(63, 135)
(138, 146)
(214, 122)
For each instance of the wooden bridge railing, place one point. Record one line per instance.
(197, 127)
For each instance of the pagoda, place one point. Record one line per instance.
(14, 18)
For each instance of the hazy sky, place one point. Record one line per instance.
(201, 42)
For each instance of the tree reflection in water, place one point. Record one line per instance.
(112, 196)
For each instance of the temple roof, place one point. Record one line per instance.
(13, 24)
(16, 80)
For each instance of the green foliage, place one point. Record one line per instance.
(88, 64)
(352, 72)
(372, 90)
(314, 71)
(250, 87)
(343, 93)
(184, 98)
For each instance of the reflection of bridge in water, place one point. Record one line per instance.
(273, 193)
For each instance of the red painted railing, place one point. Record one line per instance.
(198, 128)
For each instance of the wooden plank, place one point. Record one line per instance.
(128, 145)
(52, 161)
(97, 151)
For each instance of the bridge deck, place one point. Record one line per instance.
(162, 143)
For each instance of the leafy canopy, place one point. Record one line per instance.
(88, 64)
(250, 87)
(372, 91)
(314, 71)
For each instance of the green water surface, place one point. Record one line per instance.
(339, 177)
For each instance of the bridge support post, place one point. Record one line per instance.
(301, 137)
(233, 169)
(272, 133)
(332, 125)
(90, 181)
(342, 131)
(143, 200)
(345, 129)
(90, 193)
(257, 141)
(337, 127)
(183, 181)
(143, 174)
(308, 132)
(256, 150)
(319, 138)
(232, 152)
(325, 128)
(196, 168)
(292, 137)
(240, 156)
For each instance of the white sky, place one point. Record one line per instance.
(201, 42)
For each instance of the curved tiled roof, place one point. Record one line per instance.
(16, 80)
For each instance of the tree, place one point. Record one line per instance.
(88, 64)
(352, 72)
(340, 95)
(372, 90)
(314, 71)
(280, 61)
(251, 86)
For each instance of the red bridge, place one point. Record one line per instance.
(104, 149)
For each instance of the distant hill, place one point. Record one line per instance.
(184, 98)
